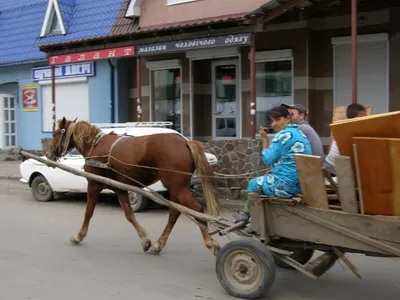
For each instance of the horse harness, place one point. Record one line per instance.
(93, 163)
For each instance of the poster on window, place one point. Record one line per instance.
(29, 97)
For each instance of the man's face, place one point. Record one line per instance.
(295, 115)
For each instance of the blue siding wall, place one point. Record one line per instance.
(29, 127)
(29, 130)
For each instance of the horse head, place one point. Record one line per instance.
(61, 141)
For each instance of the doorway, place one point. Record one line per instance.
(8, 121)
(225, 100)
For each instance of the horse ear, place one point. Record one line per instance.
(63, 122)
(75, 120)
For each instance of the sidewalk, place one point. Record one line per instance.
(10, 170)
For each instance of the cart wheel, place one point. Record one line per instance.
(245, 268)
(137, 202)
(302, 256)
(41, 189)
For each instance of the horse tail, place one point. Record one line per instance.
(205, 173)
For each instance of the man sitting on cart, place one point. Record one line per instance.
(279, 156)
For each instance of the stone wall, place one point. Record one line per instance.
(236, 157)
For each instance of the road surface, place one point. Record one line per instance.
(38, 262)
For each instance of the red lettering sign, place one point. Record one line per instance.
(29, 97)
(92, 55)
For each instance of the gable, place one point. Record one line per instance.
(133, 9)
(53, 21)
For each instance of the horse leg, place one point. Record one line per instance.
(185, 198)
(93, 191)
(123, 198)
(173, 216)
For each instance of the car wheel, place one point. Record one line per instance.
(137, 202)
(41, 189)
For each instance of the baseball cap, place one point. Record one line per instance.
(299, 107)
(278, 111)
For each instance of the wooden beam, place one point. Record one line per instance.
(317, 7)
(281, 9)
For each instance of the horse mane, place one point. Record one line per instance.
(84, 131)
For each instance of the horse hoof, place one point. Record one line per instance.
(155, 249)
(74, 240)
(146, 244)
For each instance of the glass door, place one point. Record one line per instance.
(225, 100)
(8, 121)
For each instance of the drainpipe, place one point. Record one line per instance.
(138, 90)
(252, 88)
(53, 96)
(354, 49)
(112, 103)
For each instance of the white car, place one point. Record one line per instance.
(46, 182)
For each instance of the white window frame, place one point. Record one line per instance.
(57, 82)
(2, 137)
(175, 2)
(239, 120)
(272, 56)
(164, 65)
(210, 54)
(53, 11)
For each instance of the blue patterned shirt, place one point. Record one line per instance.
(279, 156)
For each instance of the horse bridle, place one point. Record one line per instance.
(61, 146)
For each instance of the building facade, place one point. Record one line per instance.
(194, 68)
(86, 90)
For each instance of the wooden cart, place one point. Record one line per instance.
(286, 231)
(246, 267)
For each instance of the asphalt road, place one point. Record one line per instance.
(37, 260)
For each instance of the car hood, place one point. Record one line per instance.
(34, 161)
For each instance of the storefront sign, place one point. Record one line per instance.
(29, 97)
(64, 71)
(92, 55)
(209, 42)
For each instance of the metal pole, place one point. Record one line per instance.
(139, 90)
(354, 49)
(252, 89)
(53, 96)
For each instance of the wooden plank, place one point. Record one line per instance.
(110, 182)
(357, 168)
(379, 125)
(312, 180)
(346, 184)
(385, 228)
(376, 176)
(394, 150)
(296, 227)
(347, 232)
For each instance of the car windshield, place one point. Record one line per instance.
(74, 151)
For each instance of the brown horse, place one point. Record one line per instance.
(158, 151)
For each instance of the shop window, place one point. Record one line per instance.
(166, 96)
(172, 2)
(273, 87)
(69, 97)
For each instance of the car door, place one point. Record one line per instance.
(68, 181)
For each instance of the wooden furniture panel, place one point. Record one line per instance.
(346, 184)
(382, 125)
(379, 171)
(312, 180)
